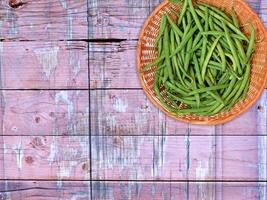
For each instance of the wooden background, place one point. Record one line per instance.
(76, 125)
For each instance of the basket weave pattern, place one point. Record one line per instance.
(147, 53)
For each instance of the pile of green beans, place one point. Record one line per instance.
(203, 64)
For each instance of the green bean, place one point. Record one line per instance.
(234, 91)
(197, 69)
(188, 17)
(188, 102)
(160, 48)
(175, 60)
(245, 91)
(167, 53)
(216, 97)
(161, 99)
(223, 79)
(214, 67)
(195, 87)
(222, 55)
(232, 47)
(195, 17)
(231, 26)
(221, 13)
(243, 85)
(216, 32)
(178, 90)
(162, 26)
(197, 39)
(240, 49)
(230, 88)
(196, 47)
(206, 62)
(165, 74)
(251, 44)
(211, 77)
(211, 25)
(183, 11)
(185, 40)
(188, 54)
(149, 66)
(234, 18)
(174, 26)
(233, 61)
(218, 109)
(211, 88)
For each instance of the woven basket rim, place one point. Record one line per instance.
(154, 100)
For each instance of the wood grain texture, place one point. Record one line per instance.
(45, 190)
(43, 20)
(118, 19)
(45, 112)
(174, 190)
(180, 158)
(124, 19)
(44, 65)
(45, 157)
(129, 112)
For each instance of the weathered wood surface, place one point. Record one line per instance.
(180, 158)
(45, 190)
(43, 20)
(48, 146)
(122, 19)
(80, 190)
(175, 190)
(44, 65)
(129, 112)
(45, 157)
(45, 112)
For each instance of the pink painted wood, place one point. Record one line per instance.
(129, 112)
(44, 65)
(134, 151)
(45, 112)
(175, 190)
(45, 190)
(180, 158)
(45, 157)
(43, 20)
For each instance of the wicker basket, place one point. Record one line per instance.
(147, 52)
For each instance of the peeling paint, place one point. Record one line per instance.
(19, 154)
(202, 170)
(53, 149)
(48, 59)
(119, 105)
(78, 196)
(64, 96)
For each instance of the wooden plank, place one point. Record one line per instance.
(118, 19)
(262, 143)
(44, 65)
(43, 20)
(124, 19)
(45, 190)
(176, 158)
(113, 65)
(139, 190)
(175, 190)
(45, 157)
(129, 112)
(48, 112)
